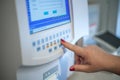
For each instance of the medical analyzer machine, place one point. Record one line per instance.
(31, 37)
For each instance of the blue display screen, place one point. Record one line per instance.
(46, 14)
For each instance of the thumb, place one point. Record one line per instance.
(80, 67)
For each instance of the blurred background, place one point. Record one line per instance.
(104, 24)
(104, 31)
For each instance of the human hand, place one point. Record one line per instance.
(91, 59)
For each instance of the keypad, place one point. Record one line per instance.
(51, 42)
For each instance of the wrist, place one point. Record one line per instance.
(114, 65)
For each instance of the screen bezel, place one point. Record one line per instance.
(41, 27)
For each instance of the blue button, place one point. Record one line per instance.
(55, 47)
(58, 41)
(50, 50)
(60, 45)
(38, 42)
(42, 41)
(54, 11)
(46, 39)
(67, 36)
(46, 13)
(38, 49)
(64, 49)
(43, 47)
(34, 44)
(50, 38)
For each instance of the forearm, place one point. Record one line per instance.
(114, 65)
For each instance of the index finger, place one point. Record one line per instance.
(78, 50)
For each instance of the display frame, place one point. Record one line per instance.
(47, 23)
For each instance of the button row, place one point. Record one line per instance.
(50, 46)
(42, 41)
(52, 42)
(55, 44)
